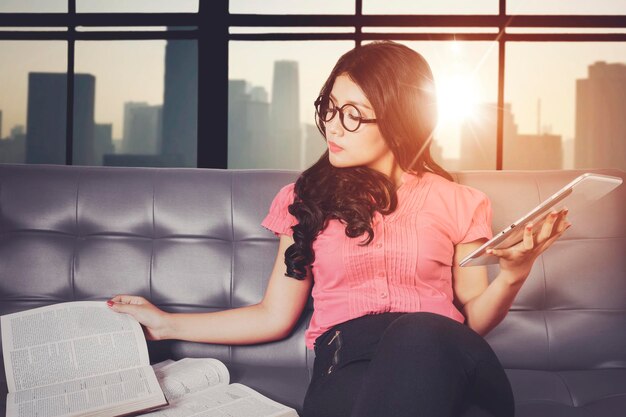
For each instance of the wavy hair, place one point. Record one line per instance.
(399, 84)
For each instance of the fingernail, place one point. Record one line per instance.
(110, 303)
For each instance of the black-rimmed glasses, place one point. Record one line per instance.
(349, 115)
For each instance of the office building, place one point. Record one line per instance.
(180, 103)
(285, 115)
(600, 134)
(46, 118)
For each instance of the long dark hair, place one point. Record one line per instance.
(399, 84)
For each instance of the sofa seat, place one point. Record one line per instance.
(584, 393)
(191, 240)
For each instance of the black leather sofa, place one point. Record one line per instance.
(191, 240)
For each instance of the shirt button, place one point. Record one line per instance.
(383, 295)
(379, 245)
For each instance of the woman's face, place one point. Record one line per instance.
(363, 147)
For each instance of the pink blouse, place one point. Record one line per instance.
(406, 267)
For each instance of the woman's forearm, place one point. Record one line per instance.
(486, 311)
(238, 326)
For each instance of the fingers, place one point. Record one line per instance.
(527, 241)
(548, 226)
(122, 307)
(128, 299)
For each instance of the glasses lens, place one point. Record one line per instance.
(351, 117)
(325, 108)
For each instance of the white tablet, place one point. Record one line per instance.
(583, 190)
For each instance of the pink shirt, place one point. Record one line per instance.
(406, 267)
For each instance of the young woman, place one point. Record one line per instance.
(375, 230)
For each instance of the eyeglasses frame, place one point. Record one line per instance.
(341, 114)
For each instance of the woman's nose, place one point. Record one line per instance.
(333, 126)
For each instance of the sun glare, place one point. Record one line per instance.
(457, 97)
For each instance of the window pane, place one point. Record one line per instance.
(292, 7)
(430, 7)
(596, 7)
(137, 6)
(272, 87)
(125, 114)
(466, 78)
(33, 90)
(33, 6)
(567, 103)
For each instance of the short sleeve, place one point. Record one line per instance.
(278, 219)
(474, 215)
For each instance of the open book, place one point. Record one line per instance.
(199, 387)
(77, 359)
(82, 359)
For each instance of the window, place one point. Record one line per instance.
(538, 70)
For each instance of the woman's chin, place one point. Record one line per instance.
(339, 162)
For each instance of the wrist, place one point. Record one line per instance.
(167, 327)
(513, 278)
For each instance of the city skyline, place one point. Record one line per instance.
(146, 137)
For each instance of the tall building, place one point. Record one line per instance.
(248, 127)
(142, 128)
(285, 115)
(314, 145)
(544, 151)
(180, 103)
(478, 137)
(84, 124)
(520, 151)
(46, 118)
(103, 143)
(600, 140)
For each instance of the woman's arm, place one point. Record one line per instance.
(271, 319)
(485, 305)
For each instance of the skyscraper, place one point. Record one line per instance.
(84, 124)
(142, 128)
(46, 118)
(248, 127)
(600, 140)
(478, 136)
(285, 115)
(103, 143)
(180, 103)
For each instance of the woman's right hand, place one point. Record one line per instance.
(153, 320)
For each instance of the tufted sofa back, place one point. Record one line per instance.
(191, 240)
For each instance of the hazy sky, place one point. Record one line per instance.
(134, 70)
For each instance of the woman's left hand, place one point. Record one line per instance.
(517, 260)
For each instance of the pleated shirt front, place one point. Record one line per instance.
(407, 267)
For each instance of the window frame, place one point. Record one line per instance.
(213, 42)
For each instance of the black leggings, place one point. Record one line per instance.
(406, 364)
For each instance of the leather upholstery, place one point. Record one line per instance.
(190, 240)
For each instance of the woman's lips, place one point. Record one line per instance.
(334, 148)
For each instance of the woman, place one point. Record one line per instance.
(375, 229)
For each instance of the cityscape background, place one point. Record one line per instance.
(267, 128)
(135, 102)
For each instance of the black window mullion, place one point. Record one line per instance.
(69, 129)
(212, 151)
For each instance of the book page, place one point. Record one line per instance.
(108, 394)
(190, 375)
(234, 400)
(73, 358)
(69, 341)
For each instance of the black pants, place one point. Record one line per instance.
(406, 364)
